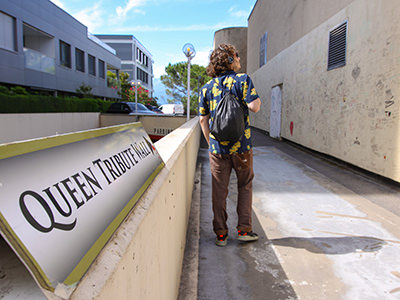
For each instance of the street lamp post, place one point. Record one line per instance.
(190, 52)
(136, 88)
(198, 86)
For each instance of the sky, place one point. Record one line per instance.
(162, 26)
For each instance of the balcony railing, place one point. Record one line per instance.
(38, 61)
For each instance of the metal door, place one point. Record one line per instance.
(276, 109)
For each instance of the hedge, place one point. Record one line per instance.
(44, 104)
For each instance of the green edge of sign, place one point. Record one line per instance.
(89, 257)
(24, 254)
(19, 148)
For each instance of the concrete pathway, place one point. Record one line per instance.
(325, 233)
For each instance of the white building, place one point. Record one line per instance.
(136, 60)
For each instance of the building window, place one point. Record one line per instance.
(263, 49)
(102, 72)
(7, 35)
(92, 65)
(141, 57)
(337, 46)
(142, 76)
(65, 54)
(80, 60)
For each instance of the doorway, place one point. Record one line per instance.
(276, 111)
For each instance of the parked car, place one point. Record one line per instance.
(154, 108)
(172, 109)
(129, 108)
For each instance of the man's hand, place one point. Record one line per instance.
(205, 127)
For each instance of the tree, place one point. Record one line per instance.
(127, 90)
(125, 86)
(84, 91)
(176, 82)
(112, 80)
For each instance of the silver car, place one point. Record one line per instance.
(129, 108)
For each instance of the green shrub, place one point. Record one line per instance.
(17, 103)
(18, 90)
(4, 89)
(84, 91)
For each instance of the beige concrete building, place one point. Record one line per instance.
(328, 73)
(236, 36)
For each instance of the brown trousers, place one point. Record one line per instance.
(221, 166)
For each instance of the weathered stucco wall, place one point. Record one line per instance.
(352, 112)
(286, 22)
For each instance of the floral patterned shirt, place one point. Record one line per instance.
(211, 94)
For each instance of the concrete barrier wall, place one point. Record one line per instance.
(157, 125)
(144, 258)
(20, 127)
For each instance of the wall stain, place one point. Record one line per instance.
(380, 85)
(356, 72)
(340, 88)
(389, 102)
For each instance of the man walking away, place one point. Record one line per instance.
(227, 155)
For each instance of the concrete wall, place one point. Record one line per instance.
(144, 258)
(20, 127)
(158, 125)
(236, 36)
(351, 113)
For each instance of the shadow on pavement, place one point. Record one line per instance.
(332, 245)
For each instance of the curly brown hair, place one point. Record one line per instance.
(219, 60)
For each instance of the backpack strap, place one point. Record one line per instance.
(220, 85)
(233, 88)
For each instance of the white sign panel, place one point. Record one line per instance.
(60, 204)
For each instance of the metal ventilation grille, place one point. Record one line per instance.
(337, 47)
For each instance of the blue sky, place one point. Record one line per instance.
(162, 26)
